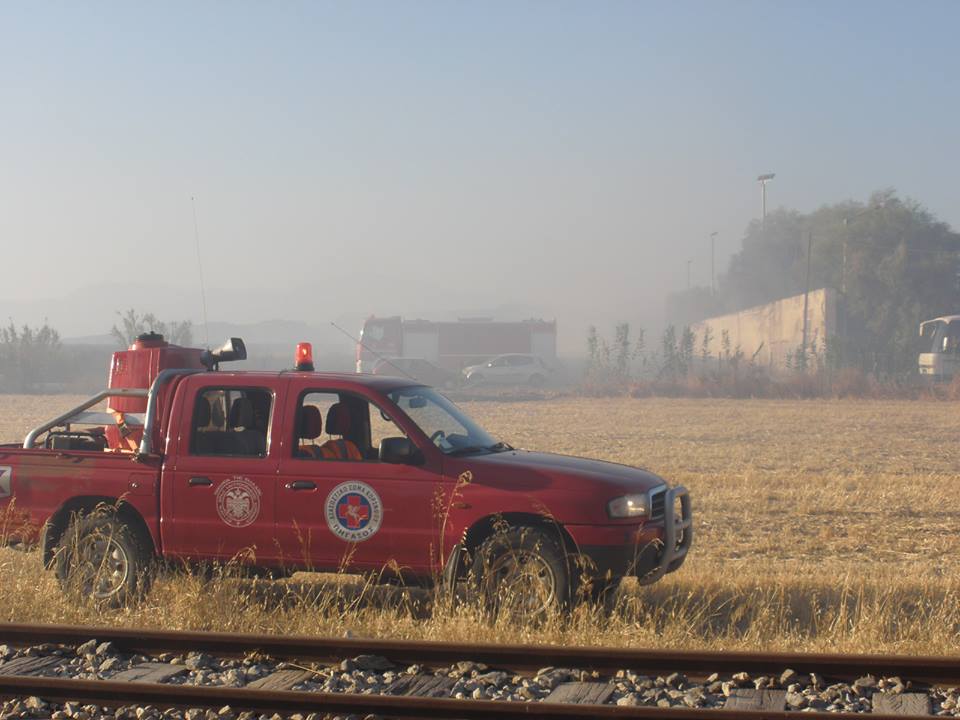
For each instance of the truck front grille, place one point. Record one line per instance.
(657, 500)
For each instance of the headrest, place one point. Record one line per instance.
(310, 425)
(338, 419)
(216, 414)
(241, 414)
(202, 414)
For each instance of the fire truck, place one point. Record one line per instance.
(453, 345)
(305, 470)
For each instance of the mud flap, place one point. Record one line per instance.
(452, 571)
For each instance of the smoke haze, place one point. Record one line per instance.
(559, 160)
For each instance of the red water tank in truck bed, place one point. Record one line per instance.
(138, 367)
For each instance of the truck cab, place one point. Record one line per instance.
(305, 470)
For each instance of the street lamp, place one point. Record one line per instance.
(713, 255)
(763, 180)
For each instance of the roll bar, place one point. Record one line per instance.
(146, 443)
(30, 440)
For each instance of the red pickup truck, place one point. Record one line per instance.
(304, 470)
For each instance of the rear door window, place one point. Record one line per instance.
(232, 422)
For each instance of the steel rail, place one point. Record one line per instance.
(933, 670)
(115, 694)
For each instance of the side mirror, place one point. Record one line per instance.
(399, 451)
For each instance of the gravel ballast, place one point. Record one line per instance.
(371, 674)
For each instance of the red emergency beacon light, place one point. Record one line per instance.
(304, 356)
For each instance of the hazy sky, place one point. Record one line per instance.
(423, 157)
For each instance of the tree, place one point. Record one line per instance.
(671, 366)
(28, 356)
(622, 344)
(687, 339)
(705, 341)
(133, 325)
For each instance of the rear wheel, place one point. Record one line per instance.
(101, 560)
(537, 381)
(522, 572)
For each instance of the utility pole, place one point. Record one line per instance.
(688, 274)
(713, 258)
(763, 180)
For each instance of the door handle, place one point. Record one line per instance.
(199, 481)
(301, 485)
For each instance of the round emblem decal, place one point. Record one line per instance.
(238, 501)
(354, 511)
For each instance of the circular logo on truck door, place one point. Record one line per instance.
(238, 501)
(354, 511)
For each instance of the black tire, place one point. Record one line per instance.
(475, 380)
(537, 381)
(522, 571)
(101, 559)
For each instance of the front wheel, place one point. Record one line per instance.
(523, 572)
(101, 559)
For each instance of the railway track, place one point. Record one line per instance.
(149, 674)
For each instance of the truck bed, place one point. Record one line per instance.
(37, 483)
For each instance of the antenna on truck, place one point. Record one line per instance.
(203, 294)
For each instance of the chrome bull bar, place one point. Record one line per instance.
(675, 548)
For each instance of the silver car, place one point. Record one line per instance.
(511, 369)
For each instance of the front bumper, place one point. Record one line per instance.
(647, 551)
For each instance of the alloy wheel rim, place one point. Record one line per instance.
(522, 581)
(103, 566)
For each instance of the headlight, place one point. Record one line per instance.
(628, 506)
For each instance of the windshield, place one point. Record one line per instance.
(443, 422)
(946, 338)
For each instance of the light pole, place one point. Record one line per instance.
(713, 256)
(688, 274)
(763, 180)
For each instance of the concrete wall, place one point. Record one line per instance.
(776, 328)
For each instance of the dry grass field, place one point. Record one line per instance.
(821, 525)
